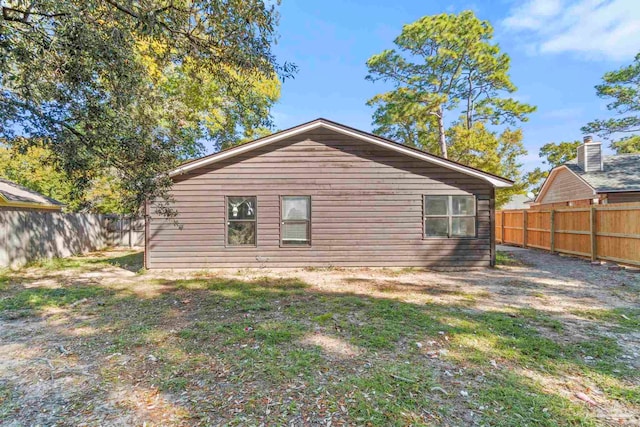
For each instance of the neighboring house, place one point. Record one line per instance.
(592, 178)
(517, 201)
(17, 197)
(325, 194)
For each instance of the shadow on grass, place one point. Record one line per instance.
(130, 261)
(224, 340)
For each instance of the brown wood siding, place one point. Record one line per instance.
(624, 197)
(366, 209)
(565, 186)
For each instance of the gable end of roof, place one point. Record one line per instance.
(494, 180)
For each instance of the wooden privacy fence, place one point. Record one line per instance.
(607, 232)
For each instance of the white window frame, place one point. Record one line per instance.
(283, 243)
(450, 216)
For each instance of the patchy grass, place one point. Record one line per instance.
(513, 401)
(505, 258)
(625, 318)
(39, 298)
(214, 349)
(132, 261)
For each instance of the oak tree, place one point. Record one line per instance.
(135, 87)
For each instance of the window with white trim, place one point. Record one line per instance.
(241, 220)
(295, 229)
(449, 216)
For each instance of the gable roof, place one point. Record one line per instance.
(550, 178)
(620, 173)
(15, 195)
(494, 180)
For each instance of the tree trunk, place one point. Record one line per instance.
(469, 102)
(442, 135)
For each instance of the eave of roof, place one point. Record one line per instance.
(494, 180)
(5, 203)
(22, 197)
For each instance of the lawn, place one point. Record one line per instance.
(95, 340)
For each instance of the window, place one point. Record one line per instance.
(296, 221)
(449, 216)
(241, 220)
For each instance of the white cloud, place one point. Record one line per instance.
(531, 15)
(591, 28)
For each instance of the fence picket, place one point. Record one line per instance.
(608, 232)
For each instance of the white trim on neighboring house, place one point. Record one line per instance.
(553, 172)
(493, 180)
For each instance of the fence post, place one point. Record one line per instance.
(525, 224)
(594, 233)
(553, 229)
(502, 232)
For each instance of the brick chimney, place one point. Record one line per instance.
(590, 155)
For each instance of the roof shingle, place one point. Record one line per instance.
(621, 173)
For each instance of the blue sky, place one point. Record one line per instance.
(559, 50)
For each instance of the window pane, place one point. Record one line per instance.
(436, 227)
(241, 233)
(436, 205)
(295, 232)
(463, 226)
(462, 205)
(241, 208)
(295, 207)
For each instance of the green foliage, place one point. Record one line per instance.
(136, 87)
(622, 88)
(447, 64)
(627, 145)
(34, 168)
(556, 154)
(492, 152)
(443, 63)
(33, 165)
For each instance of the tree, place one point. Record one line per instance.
(32, 165)
(492, 152)
(622, 87)
(135, 87)
(554, 154)
(444, 63)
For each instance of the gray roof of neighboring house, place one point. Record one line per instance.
(621, 173)
(517, 201)
(17, 193)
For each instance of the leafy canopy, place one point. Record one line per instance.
(32, 165)
(450, 85)
(622, 88)
(135, 87)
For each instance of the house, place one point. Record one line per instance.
(592, 178)
(325, 194)
(16, 197)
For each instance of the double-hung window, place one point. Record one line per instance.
(241, 220)
(449, 216)
(295, 229)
